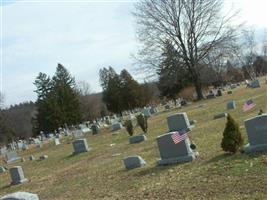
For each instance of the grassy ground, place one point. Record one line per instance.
(99, 174)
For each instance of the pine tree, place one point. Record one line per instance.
(232, 137)
(57, 102)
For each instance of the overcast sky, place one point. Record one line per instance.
(84, 36)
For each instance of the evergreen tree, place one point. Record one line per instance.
(57, 102)
(6, 132)
(172, 75)
(232, 137)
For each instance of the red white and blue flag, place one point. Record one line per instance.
(248, 105)
(179, 136)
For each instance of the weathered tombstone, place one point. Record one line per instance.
(17, 175)
(137, 139)
(132, 162)
(219, 93)
(2, 169)
(179, 122)
(153, 110)
(20, 196)
(80, 146)
(3, 150)
(31, 157)
(116, 126)
(220, 115)
(12, 156)
(23, 160)
(230, 105)
(57, 142)
(256, 128)
(171, 153)
(43, 157)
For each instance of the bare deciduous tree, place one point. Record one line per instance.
(195, 27)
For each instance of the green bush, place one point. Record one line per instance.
(142, 122)
(129, 127)
(232, 137)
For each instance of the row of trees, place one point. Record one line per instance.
(121, 92)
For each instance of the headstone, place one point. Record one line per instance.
(219, 93)
(137, 139)
(171, 153)
(116, 126)
(211, 95)
(230, 105)
(25, 146)
(95, 129)
(43, 157)
(230, 92)
(20, 196)
(17, 175)
(167, 107)
(2, 169)
(31, 157)
(179, 122)
(77, 134)
(220, 115)
(183, 102)
(153, 110)
(80, 146)
(146, 112)
(23, 160)
(255, 84)
(132, 162)
(12, 156)
(256, 128)
(57, 142)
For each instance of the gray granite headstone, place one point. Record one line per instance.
(80, 146)
(230, 105)
(12, 156)
(2, 169)
(257, 134)
(171, 153)
(137, 139)
(179, 122)
(132, 162)
(167, 107)
(220, 115)
(20, 196)
(17, 175)
(153, 110)
(116, 126)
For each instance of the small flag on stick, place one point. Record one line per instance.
(248, 105)
(179, 136)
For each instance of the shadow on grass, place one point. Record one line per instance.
(5, 187)
(238, 156)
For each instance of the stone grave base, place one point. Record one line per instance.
(20, 181)
(20, 195)
(177, 160)
(85, 150)
(137, 139)
(255, 148)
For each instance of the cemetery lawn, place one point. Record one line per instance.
(100, 173)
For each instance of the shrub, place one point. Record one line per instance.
(142, 122)
(232, 137)
(129, 127)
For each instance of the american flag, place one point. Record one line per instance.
(179, 136)
(248, 105)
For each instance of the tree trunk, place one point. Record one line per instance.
(198, 87)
